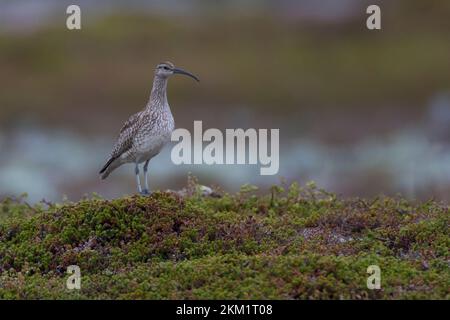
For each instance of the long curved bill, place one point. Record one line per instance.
(181, 71)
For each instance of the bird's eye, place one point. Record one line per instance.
(166, 68)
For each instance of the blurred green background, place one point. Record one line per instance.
(360, 112)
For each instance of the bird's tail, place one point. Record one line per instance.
(107, 168)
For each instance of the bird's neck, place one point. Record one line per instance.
(158, 96)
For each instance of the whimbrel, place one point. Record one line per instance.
(145, 133)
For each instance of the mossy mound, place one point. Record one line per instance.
(301, 243)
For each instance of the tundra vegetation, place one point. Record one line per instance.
(291, 243)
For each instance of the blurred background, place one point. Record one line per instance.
(360, 112)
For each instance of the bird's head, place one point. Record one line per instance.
(166, 69)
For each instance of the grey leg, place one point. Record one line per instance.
(146, 188)
(138, 179)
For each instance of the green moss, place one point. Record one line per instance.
(292, 243)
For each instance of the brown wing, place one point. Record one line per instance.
(129, 123)
(125, 139)
(126, 135)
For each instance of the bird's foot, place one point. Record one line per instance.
(145, 192)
